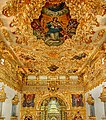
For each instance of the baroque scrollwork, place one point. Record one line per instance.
(69, 51)
(81, 44)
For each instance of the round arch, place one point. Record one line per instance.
(52, 108)
(57, 96)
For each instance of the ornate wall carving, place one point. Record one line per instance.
(42, 93)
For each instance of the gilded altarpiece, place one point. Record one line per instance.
(53, 105)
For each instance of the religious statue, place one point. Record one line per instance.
(15, 101)
(2, 94)
(90, 101)
(2, 99)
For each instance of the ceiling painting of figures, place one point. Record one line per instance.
(54, 25)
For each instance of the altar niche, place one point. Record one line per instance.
(53, 108)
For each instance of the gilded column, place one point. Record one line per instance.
(68, 114)
(63, 113)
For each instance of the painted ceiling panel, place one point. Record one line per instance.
(53, 37)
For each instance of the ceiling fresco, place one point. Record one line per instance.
(54, 25)
(52, 37)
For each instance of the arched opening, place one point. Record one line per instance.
(53, 108)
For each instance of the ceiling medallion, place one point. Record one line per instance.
(54, 25)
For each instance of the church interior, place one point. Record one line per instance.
(52, 59)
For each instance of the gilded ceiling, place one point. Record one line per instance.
(53, 37)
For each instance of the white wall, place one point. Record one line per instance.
(7, 105)
(99, 106)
